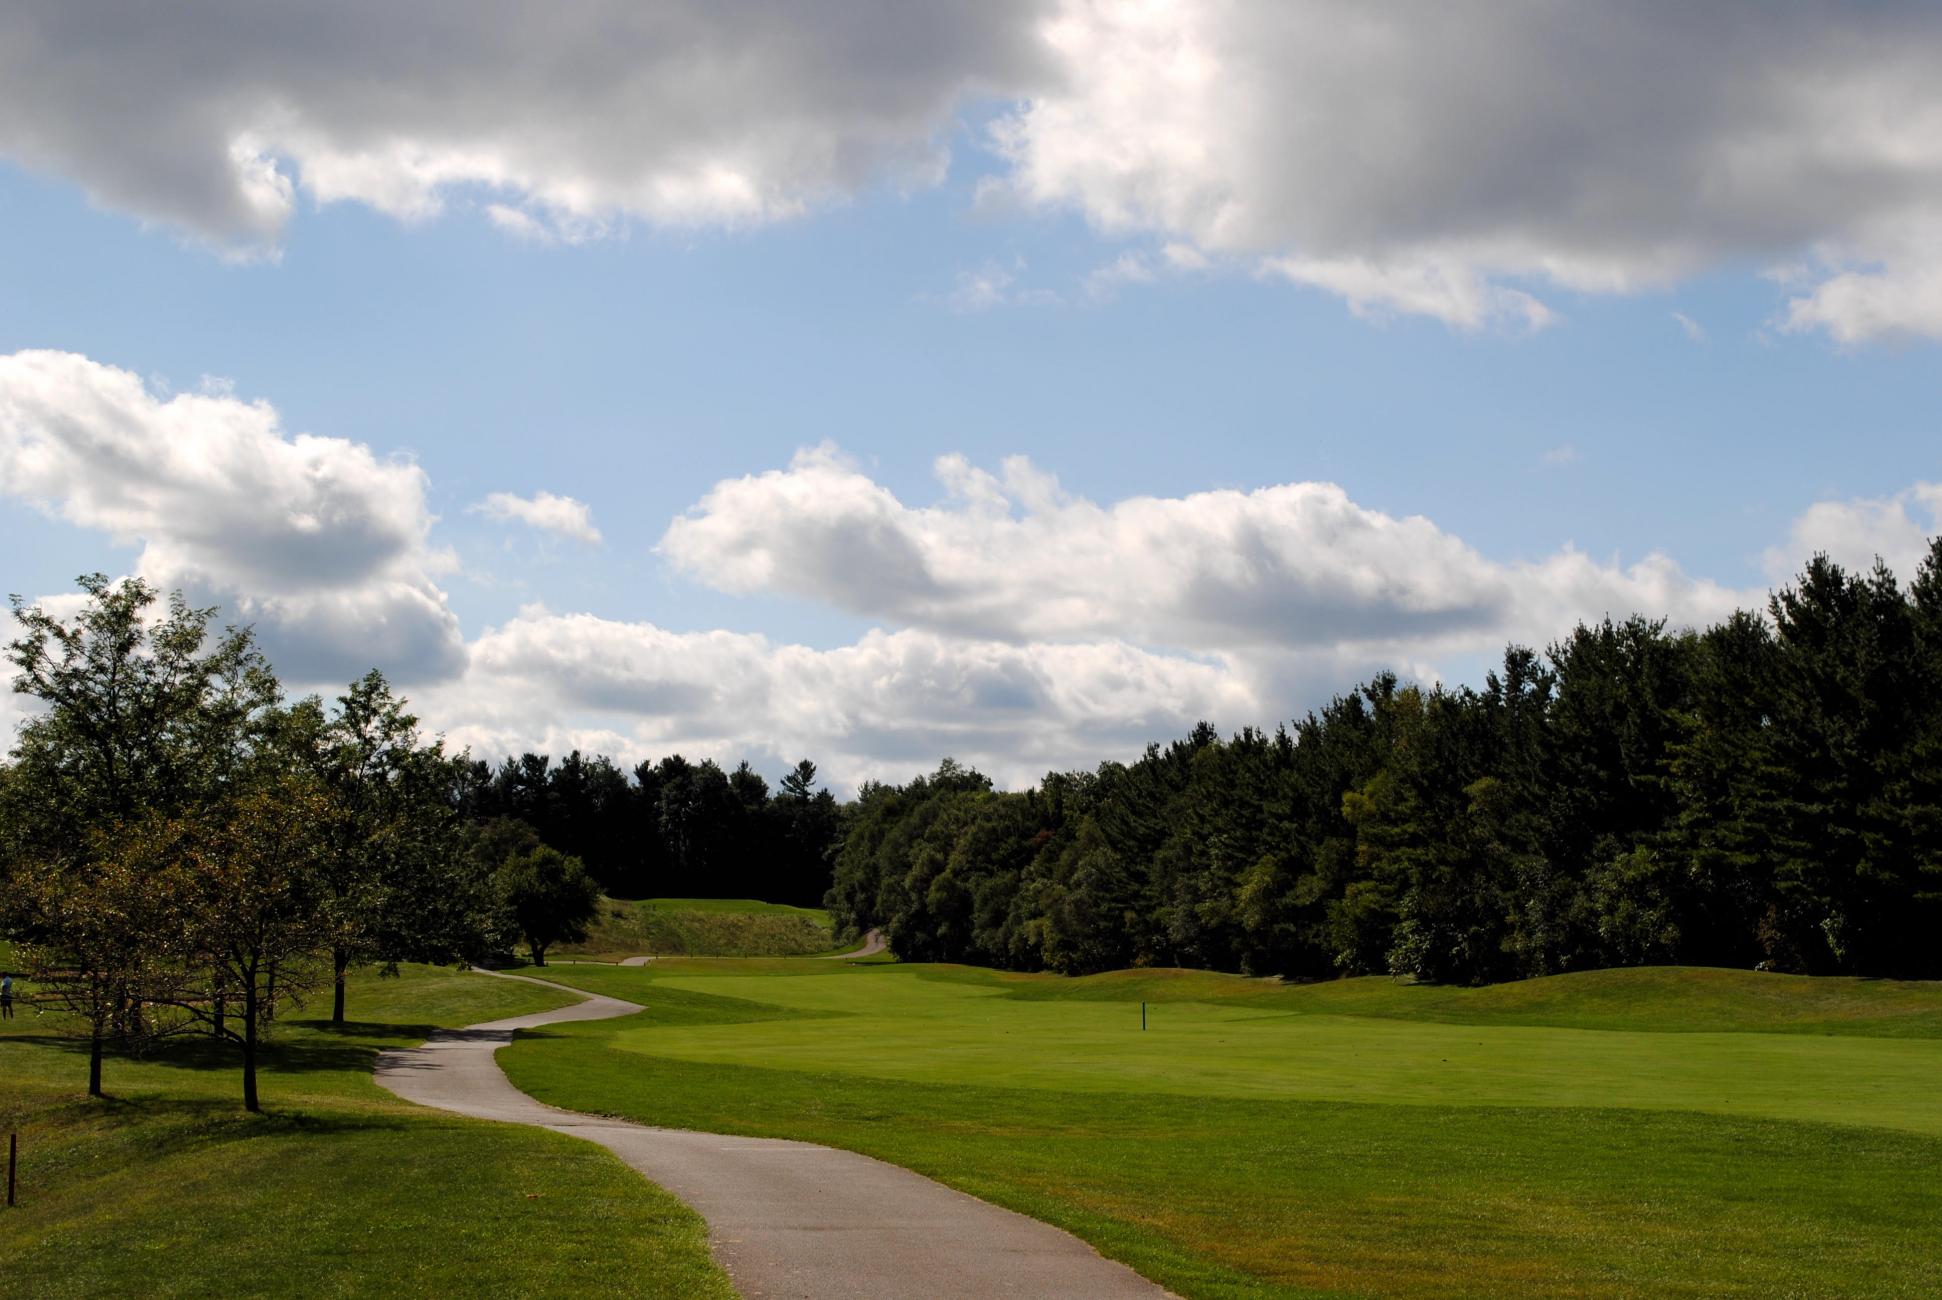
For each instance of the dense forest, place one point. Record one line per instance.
(1765, 792)
(671, 829)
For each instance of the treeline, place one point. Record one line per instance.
(669, 829)
(183, 849)
(1766, 792)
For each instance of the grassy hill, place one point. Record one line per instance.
(1662, 1132)
(703, 927)
(168, 1188)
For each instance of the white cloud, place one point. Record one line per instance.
(1446, 290)
(1024, 627)
(1898, 300)
(544, 511)
(321, 543)
(1693, 330)
(1414, 158)
(1562, 454)
(1283, 569)
(1854, 532)
(980, 290)
(678, 113)
(1458, 161)
(887, 706)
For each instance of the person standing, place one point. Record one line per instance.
(6, 995)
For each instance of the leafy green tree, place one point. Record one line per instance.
(256, 897)
(549, 897)
(144, 721)
(96, 938)
(396, 884)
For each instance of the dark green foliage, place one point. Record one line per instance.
(675, 829)
(549, 898)
(1765, 792)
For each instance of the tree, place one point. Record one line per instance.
(549, 897)
(145, 720)
(257, 905)
(93, 937)
(394, 893)
(140, 715)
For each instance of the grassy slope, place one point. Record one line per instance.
(703, 927)
(169, 1188)
(1235, 1149)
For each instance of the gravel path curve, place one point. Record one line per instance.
(786, 1219)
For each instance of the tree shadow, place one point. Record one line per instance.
(202, 1053)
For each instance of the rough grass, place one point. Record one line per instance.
(169, 1188)
(702, 927)
(1257, 1141)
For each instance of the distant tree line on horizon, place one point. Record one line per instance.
(673, 828)
(1766, 792)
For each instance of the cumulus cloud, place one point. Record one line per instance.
(544, 511)
(1010, 556)
(317, 540)
(1466, 163)
(888, 705)
(1451, 160)
(1855, 532)
(680, 112)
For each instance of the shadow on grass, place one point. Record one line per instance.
(201, 1053)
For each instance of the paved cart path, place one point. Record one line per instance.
(786, 1219)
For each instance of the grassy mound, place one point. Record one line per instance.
(703, 927)
(1631, 1132)
(169, 1188)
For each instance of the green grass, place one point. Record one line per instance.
(702, 927)
(1780, 1137)
(169, 1188)
(739, 907)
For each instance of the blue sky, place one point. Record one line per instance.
(1695, 416)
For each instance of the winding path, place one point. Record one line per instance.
(786, 1219)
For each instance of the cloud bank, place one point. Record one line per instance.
(1466, 163)
(1020, 627)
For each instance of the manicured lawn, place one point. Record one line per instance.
(740, 907)
(702, 927)
(1356, 1138)
(169, 1188)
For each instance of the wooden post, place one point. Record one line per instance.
(13, 1153)
(1142, 1017)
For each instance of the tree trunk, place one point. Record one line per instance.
(340, 962)
(94, 1064)
(249, 1046)
(539, 953)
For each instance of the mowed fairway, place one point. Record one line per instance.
(1775, 1137)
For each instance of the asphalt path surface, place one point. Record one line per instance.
(786, 1219)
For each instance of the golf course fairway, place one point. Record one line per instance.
(1770, 1136)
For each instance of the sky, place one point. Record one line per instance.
(1021, 381)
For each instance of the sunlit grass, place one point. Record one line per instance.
(169, 1188)
(1255, 1140)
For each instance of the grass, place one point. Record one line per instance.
(169, 1188)
(703, 927)
(1665, 1132)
